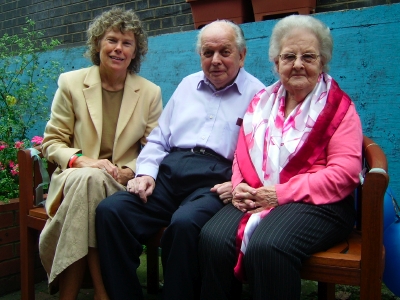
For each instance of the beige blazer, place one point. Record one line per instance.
(76, 121)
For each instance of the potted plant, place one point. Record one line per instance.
(23, 99)
(266, 9)
(206, 11)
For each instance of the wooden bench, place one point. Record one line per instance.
(361, 261)
(358, 261)
(32, 221)
(32, 218)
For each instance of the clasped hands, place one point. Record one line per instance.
(251, 200)
(121, 175)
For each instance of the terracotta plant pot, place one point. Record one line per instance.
(267, 9)
(206, 11)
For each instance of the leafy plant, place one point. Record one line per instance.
(24, 79)
(9, 170)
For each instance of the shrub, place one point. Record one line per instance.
(23, 100)
(9, 171)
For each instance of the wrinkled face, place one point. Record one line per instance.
(220, 57)
(117, 50)
(299, 75)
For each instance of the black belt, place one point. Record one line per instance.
(200, 150)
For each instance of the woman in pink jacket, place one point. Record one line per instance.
(296, 166)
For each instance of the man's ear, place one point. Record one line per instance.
(242, 56)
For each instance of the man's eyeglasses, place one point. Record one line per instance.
(291, 57)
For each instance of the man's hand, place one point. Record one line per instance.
(142, 186)
(224, 190)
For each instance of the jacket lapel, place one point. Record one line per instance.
(129, 101)
(93, 98)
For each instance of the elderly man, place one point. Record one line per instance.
(183, 172)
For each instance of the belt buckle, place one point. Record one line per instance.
(199, 151)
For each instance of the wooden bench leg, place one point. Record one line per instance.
(326, 291)
(27, 245)
(371, 289)
(152, 269)
(153, 244)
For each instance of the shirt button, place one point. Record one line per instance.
(211, 116)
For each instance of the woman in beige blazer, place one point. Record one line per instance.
(100, 118)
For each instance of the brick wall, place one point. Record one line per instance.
(67, 20)
(9, 250)
(334, 5)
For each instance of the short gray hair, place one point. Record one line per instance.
(319, 29)
(240, 40)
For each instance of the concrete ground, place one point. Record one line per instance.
(41, 291)
(309, 290)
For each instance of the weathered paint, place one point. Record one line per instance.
(366, 50)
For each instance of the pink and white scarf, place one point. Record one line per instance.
(270, 147)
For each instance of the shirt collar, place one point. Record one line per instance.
(238, 84)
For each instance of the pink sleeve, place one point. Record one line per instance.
(236, 174)
(335, 173)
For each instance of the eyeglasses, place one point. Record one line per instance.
(291, 57)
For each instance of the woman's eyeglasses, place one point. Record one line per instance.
(291, 57)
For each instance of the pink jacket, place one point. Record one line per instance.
(333, 175)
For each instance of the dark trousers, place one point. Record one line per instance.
(182, 201)
(274, 255)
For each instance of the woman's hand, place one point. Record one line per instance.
(224, 190)
(124, 175)
(242, 197)
(248, 199)
(102, 164)
(265, 198)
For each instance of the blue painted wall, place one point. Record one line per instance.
(365, 64)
